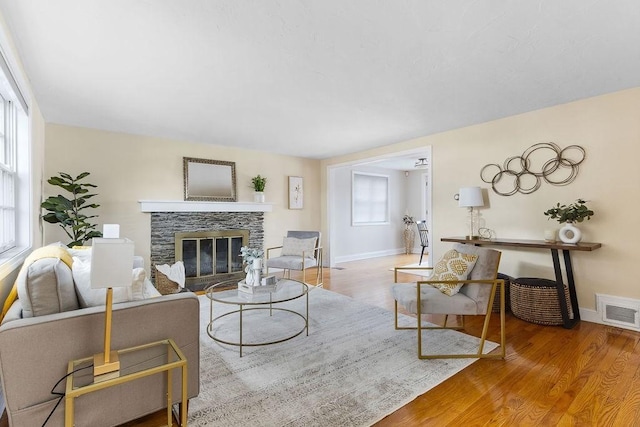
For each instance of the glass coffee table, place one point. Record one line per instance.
(287, 290)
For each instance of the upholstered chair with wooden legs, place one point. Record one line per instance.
(466, 280)
(300, 251)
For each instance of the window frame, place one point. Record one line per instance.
(17, 163)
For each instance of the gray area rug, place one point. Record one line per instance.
(353, 369)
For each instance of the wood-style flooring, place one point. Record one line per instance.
(585, 376)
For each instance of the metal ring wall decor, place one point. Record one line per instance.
(524, 174)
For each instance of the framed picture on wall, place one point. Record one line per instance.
(296, 192)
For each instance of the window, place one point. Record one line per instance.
(7, 175)
(15, 164)
(370, 199)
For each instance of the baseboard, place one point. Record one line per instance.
(589, 315)
(368, 255)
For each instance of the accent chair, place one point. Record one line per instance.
(463, 283)
(300, 251)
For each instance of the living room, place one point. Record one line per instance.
(600, 117)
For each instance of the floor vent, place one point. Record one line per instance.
(618, 311)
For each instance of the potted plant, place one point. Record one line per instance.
(568, 215)
(69, 213)
(258, 182)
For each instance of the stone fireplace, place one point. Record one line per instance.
(215, 235)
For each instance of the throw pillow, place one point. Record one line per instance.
(84, 253)
(89, 297)
(45, 286)
(453, 265)
(295, 247)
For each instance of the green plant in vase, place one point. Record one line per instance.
(568, 215)
(258, 182)
(70, 212)
(575, 212)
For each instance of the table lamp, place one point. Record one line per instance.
(470, 197)
(111, 266)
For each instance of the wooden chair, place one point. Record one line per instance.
(298, 252)
(474, 298)
(423, 232)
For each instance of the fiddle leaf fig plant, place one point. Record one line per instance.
(575, 212)
(70, 213)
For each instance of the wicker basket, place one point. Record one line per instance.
(496, 301)
(165, 285)
(536, 301)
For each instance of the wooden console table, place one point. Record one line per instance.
(554, 247)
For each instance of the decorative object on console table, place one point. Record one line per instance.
(296, 193)
(111, 266)
(258, 182)
(409, 234)
(575, 212)
(70, 213)
(470, 197)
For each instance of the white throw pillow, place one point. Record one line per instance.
(295, 247)
(89, 297)
(82, 253)
(149, 291)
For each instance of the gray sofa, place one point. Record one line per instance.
(35, 351)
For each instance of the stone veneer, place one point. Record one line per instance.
(164, 225)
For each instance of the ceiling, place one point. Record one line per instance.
(316, 78)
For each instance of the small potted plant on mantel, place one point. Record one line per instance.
(258, 182)
(570, 214)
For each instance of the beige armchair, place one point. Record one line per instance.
(300, 251)
(473, 295)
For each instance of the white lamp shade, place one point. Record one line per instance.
(470, 197)
(111, 263)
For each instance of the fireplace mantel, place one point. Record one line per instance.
(189, 206)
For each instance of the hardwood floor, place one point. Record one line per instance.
(586, 376)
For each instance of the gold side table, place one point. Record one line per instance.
(135, 362)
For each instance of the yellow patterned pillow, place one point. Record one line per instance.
(452, 266)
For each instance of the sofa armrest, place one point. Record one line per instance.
(34, 354)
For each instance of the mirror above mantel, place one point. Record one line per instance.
(209, 180)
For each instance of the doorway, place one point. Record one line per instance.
(413, 181)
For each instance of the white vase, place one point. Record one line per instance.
(249, 278)
(258, 197)
(569, 233)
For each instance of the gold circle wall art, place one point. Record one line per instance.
(542, 162)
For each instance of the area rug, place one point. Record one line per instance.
(413, 270)
(352, 369)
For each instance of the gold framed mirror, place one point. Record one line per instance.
(209, 180)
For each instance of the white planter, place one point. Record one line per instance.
(569, 233)
(258, 197)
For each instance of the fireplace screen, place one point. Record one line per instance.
(209, 253)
